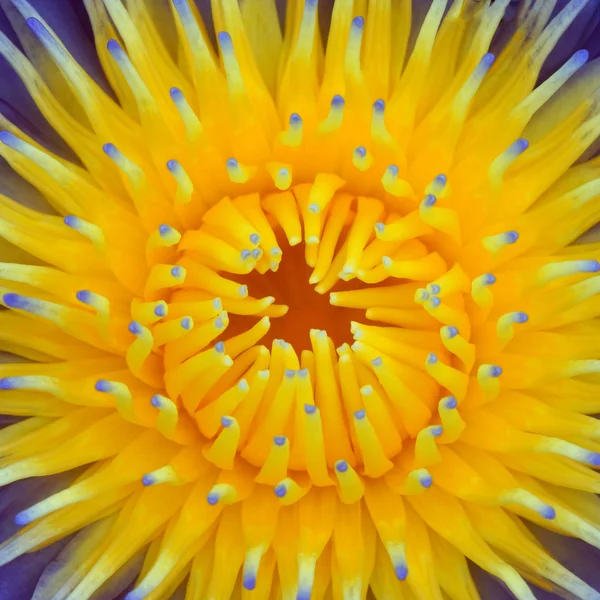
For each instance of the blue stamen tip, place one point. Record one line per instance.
(176, 94)
(186, 323)
(434, 288)
(441, 179)
(451, 331)
(160, 310)
(511, 237)
(401, 571)
(377, 362)
(437, 430)
(36, 26)
(220, 347)
(164, 230)
(521, 145)
(521, 317)
(7, 383)
(594, 459)
(135, 328)
(432, 358)
(102, 385)
(302, 372)
(110, 150)
(83, 296)
(310, 409)
(72, 221)
(226, 421)
(581, 56)
(13, 300)
(22, 518)
(156, 401)
(113, 46)
(426, 481)
(337, 101)
(361, 151)
(393, 170)
(360, 414)
(304, 594)
(548, 513)
(176, 272)
(379, 105)
(255, 238)
(341, 466)
(488, 59)
(495, 371)
(451, 402)
(7, 138)
(212, 498)
(489, 279)
(280, 490)
(358, 22)
(249, 581)
(295, 119)
(148, 480)
(173, 165)
(224, 39)
(232, 163)
(435, 302)
(429, 200)
(290, 373)
(279, 440)
(379, 227)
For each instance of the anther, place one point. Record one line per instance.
(437, 187)
(480, 293)
(293, 136)
(335, 117)
(504, 327)
(395, 186)
(488, 379)
(193, 127)
(500, 165)
(127, 166)
(361, 158)
(89, 230)
(428, 201)
(237, 172)
(495, 243)
(185, 187)
(553, 271)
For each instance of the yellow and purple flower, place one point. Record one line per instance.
(300, 315)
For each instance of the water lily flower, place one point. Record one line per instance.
(299, 299)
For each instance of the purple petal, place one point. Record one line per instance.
(581, 34)
(488, 586)
(19, 577)
(13, 94)
(72, 26)
(577, 556)
(14, 186)
(67, 24)
(59, 573)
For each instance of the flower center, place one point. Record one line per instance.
(306, 308)
(287, 345)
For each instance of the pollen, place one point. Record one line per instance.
(307, 313)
